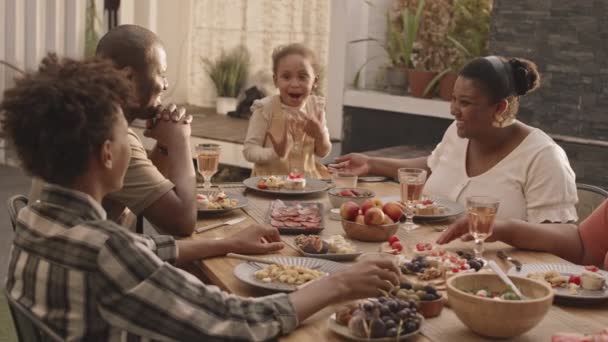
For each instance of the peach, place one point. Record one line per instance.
(394, 210)
(374, 216)
(371, 203)
(387, 220)
(360, 219)
(349, 210)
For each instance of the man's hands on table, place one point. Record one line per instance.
(255, 239)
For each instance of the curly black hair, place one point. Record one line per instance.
(60, 114)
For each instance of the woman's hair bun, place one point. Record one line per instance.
(525, 75)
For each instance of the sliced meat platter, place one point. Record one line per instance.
(296, 217)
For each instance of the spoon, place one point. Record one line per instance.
(492, 264)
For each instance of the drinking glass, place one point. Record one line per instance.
(344, 179)
(481, 211)
(411, 182)
(208, 160)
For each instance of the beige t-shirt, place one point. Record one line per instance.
(142, 186)
(534, 182)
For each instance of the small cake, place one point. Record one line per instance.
(592, 281)
(295, 181)
(270, 182)
(428, 207)
(202, 201)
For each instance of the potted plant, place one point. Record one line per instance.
(429, 55)
(228, 73)
(401, 30)
(469, 33)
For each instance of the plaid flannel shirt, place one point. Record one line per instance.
(89, 279)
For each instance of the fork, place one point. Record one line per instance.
(515, 262)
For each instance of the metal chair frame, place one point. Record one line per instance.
(28, 326)
(13, 208)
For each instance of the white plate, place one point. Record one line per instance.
(312, 186)
(585, 296)
(245, 271)
(452, 208)
(243, 201)
(345, 332)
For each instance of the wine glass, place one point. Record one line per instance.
(482, 211)
(208, 160)
(411, 182)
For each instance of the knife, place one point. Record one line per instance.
(221, 224)
(515, 262)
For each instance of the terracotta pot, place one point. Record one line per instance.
(396, 77)
(446, 86)
(419, 80)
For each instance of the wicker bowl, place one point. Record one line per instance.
(498, 318)
(363, 232)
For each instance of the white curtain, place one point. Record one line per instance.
(260, 25)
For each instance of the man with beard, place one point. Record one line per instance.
(161, 186)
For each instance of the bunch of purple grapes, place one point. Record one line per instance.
(385, 317)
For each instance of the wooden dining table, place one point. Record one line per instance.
(446, 327)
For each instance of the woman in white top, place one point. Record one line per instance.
(486, 151)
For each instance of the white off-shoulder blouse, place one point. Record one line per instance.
(534, 182)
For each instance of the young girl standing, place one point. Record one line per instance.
(288, 131)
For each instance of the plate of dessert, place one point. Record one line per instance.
(296, 217)
(217, 201)
(434, 264)
(292, 184)
(572, 283)
(287, 275)
(335, 248)
(437, 208)
(377, 319)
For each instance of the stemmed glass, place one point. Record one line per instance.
(482, 211)
(411, 182)
(297, 121)
(208, 160)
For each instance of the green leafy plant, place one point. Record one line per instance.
(229, 71)
(400, 37)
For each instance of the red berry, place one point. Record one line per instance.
(397, 245)
(455, 270)
(591, 268)
(420, 247)
(392, 239)
(262, 186)
(575, 279)
(464, 267)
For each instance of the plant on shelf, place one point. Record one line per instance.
(401, 32)
(228, 73)
(430, 54)
(467, 39)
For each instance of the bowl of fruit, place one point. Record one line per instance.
(429, 302)
(337, 196)
(490, 308)
(373, 221)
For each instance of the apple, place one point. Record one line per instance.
(360, 219)
(387, 220)
(374, 216)
(394, 210)
(349, 210)
(371, 203)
